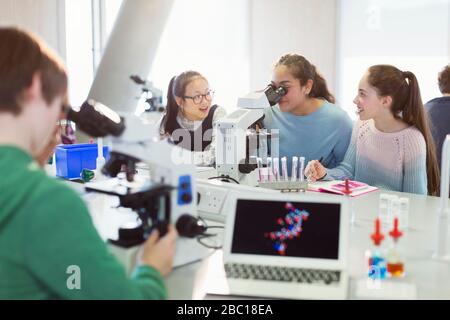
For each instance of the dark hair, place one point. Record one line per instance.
(21, 57)
(407, 105)
(303, 70)
(177, 88)
(444, 80)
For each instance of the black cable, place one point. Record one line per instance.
(224, 178)
(209, 227)
(208, 235)
(199, 238)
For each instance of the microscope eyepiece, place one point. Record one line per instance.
(96, 119)
(274, 94)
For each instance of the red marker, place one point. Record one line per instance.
(395, 233)
(347, 187)
(377, 236)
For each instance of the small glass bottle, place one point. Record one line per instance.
(395, 265)
(375, 258)
(404, 213)
(383, 208)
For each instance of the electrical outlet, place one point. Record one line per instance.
(212, 199)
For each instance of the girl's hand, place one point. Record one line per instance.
(315, 171)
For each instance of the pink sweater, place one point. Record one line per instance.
(393, 161)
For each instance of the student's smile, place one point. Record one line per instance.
(204, 109)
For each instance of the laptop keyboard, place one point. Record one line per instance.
(272, 273)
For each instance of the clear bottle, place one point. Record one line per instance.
(383, 208)
(404, 213)
(376, 262)
(395, 264)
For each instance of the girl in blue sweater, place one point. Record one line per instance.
(309, 123)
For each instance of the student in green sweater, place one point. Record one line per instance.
(49, 248)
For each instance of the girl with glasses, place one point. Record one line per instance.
(309, 123)
(190, 117)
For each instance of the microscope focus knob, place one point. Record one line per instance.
(186, 197)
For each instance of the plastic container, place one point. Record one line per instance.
(71, 159)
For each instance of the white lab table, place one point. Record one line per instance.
(431, 277)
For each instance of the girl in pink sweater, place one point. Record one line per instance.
(391, 145)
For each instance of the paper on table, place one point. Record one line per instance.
(333, 186)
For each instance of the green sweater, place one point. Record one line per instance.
(46, 230)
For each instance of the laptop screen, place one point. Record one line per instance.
(292, 229)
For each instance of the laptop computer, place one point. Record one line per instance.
(285, 246)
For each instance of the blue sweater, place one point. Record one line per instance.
(324, 133)
(438, 111)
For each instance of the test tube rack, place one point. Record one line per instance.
(286, 186)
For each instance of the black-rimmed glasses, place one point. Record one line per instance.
(197, 99)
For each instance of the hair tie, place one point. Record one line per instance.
(406, 75)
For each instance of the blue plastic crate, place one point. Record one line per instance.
(71, 159)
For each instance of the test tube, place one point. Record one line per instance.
(301, 174)
(383, 209)
(404, 213)
(269, 169)
(394, 212)
(259, 164)
(284, 168)
(263, 145)
(276, 168)
(294, 168)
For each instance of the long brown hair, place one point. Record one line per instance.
(23, 55)
(177, 88)
(403, 88)
(303, 70)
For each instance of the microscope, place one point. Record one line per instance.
(238, 134)
(153, 95)
(167, 196)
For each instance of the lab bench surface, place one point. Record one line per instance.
(430, 277)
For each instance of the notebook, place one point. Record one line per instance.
(285, 246)
(338, 187)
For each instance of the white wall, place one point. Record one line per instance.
(306, 27)
(42, 17)
(233, 42)
(413, 35)
(211, 37)
(241, 39)
(236, 42)
(79, 60)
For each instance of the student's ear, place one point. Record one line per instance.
(308, 86)
(34, 90)
(386, 101)
(179, 101)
